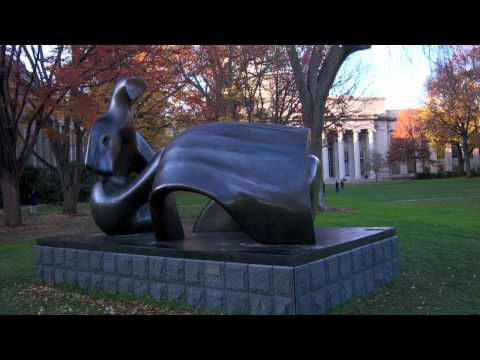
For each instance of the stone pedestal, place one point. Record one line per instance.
(228, 272)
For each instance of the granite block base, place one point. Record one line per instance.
(228, 272)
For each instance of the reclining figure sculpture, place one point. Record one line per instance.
(258, 177)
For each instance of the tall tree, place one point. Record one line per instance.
(209, 72)
(315, 68)
(68, 125)
(453, 104)
(408, 143)
(28, 96)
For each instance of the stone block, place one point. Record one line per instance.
(196, 297)
(237, 302)
(84, 279)
(125, 285)
(214, 299)
(140, 287)
(358, 285)
(303, 304)
(83, 262)
(388, 271)
(72, 277)
(195, 272)
(283, 281)
(59, 276)
(109, 263)
(347, 289)
(49, 275)
(157, 268)
(367, 254)
(378, 255)
(59, 256)
(236, 276)
(369, 281)
(124, 264)
(319, 301)
(334, 294)
(215, 274)
(96, 261)
(71, 258)
(302, 279)
(378, 272)
(260, 279)
(175, 270)
(38, 255)
(47, 255)
(387, 249)
(140, 266)
(176, 292)
(110, 283)
(332, 269)
(318, 274)
(40, 272)
(261, 304)
(158, 290)
(283, 305)
(96, 281)
(395, 243)
(345, 261)
(357, 260)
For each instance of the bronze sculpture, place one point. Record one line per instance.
(258, 177)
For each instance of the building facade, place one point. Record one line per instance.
(347, 152)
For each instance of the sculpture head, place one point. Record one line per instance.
(111, 146)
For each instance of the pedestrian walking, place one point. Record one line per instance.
(33, 200)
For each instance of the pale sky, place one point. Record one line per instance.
(396, 72)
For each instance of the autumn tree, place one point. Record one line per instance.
(282, 105)
(315, 68)
(69, 125)
(33, 83)
(208, 71)
(453, 104)
(408, 143)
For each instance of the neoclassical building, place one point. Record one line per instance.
(346, 152)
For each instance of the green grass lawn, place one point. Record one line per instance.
(437, 221)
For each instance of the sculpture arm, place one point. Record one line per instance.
(138, 190)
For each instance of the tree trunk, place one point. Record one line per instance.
(466, 152)
(11, 199)
(317, 194)
(461, 160)
(70, 200)
(71, 188)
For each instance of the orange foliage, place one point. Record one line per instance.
(408, 140)
(408, 125)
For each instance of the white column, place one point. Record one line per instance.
(433, 157)
(476, 159)
(356, 154)
(403, 168)
(341, 157)
(419, 166)
(448, 158)
(371, 149)
(326, 176)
